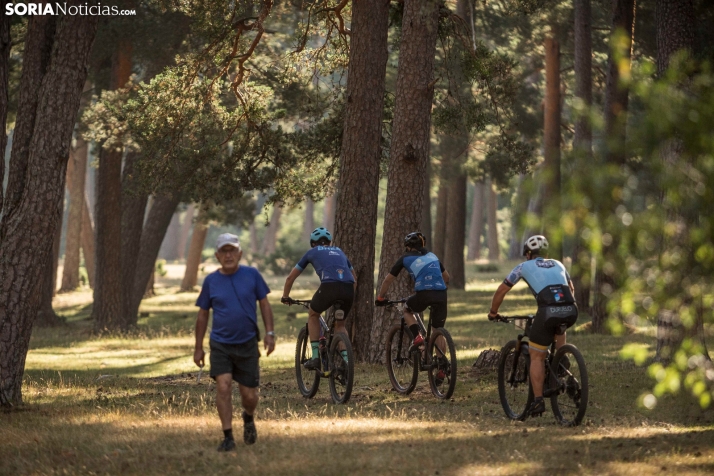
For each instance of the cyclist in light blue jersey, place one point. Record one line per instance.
(337, 283)
(553, 290)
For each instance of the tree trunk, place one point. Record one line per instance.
(271, 234)
(476, 228)
(253, 239)
(25, 250)
(519, 204)
(88, 241)
(149, 291)
(329, 212)
(456, 232)
(5, 45)
(308, 225)
(46, 316)
(193, 261)
(409, 151)
(582, 141)
(442, 202)
(616, 103)
(77, 168)
(109, 311)
(425, 226)
(676, 27)
(551, 143)
(132, 222)
(355, 223)
(170, 244)
(157, 222)
(185, 231)
(494, 253)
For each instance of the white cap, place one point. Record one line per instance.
(227, 239)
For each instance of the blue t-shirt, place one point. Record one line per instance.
(330, 263)
(424, 268)
(233, 299)
(543, 276)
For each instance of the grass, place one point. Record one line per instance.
(131, 404)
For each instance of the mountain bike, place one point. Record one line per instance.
(438, 357)
(566, 377)
(338, 369)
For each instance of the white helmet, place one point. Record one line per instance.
(534, 244)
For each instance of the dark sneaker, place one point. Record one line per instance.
(312, 364)
(228, 444)
(250, 434)
(439, 378)
(416, 343)
(537, 407)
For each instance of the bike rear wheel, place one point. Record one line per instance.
(442, 375)
(402, 367)
(514, 388)
(569, 382)
(342, 368)
(308, 380)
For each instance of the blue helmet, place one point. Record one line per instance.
(318, 234)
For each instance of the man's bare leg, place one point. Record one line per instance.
(223, 400)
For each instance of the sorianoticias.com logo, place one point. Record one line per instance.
(58, 8)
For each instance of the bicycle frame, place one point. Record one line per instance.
(325, 330)
(425, 363)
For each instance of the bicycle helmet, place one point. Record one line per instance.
(535, 244)
(319, 234)
(415, 240)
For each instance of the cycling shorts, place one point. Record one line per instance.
(328, 293)
(548, 323)
(434, 299)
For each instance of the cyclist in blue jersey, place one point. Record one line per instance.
(430, 282)
(553, 290)
(337, 283)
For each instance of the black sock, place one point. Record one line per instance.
(415, 329)
(228, 434)
(538, 399)
(247, 418)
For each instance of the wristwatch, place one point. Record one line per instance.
(270, 333)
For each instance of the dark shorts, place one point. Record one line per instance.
(434, 299)
(550, 321)
(328, 293)
(240, 360)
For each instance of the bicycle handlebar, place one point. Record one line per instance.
(507, 319)
(290, 301)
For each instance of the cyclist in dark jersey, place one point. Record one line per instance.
(337, 283)
(551, 286)
(430, 283)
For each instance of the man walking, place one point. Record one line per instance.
(232, 292)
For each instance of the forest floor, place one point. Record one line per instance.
(132, 405)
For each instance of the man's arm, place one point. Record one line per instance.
(498, 299)
(201, 326)
(572, 288)
(445, 276)
(267, 312)
(289, 283)
(385, 285)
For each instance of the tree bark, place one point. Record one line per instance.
(409, 151)
(88, 241)
(5, 45)
(675, 30)
(308, 225)
(551, 142)
(519, 204)
(582, 141)
(26, 234)
(456, 232)
(425, 226)
(46, 315)
(271, 233)
(132, 222)
(109, 311)
(186, 226)
(330, 211)
(193, 261)
(77, 173)
(476, 228)
(355, 223)
(494, 253)
(157, 222)
(170, 244)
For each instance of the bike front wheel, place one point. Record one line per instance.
(342, 368)
(569, 383)
(308, 380)
(402, 366)
(514, 388)
(442, 374)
